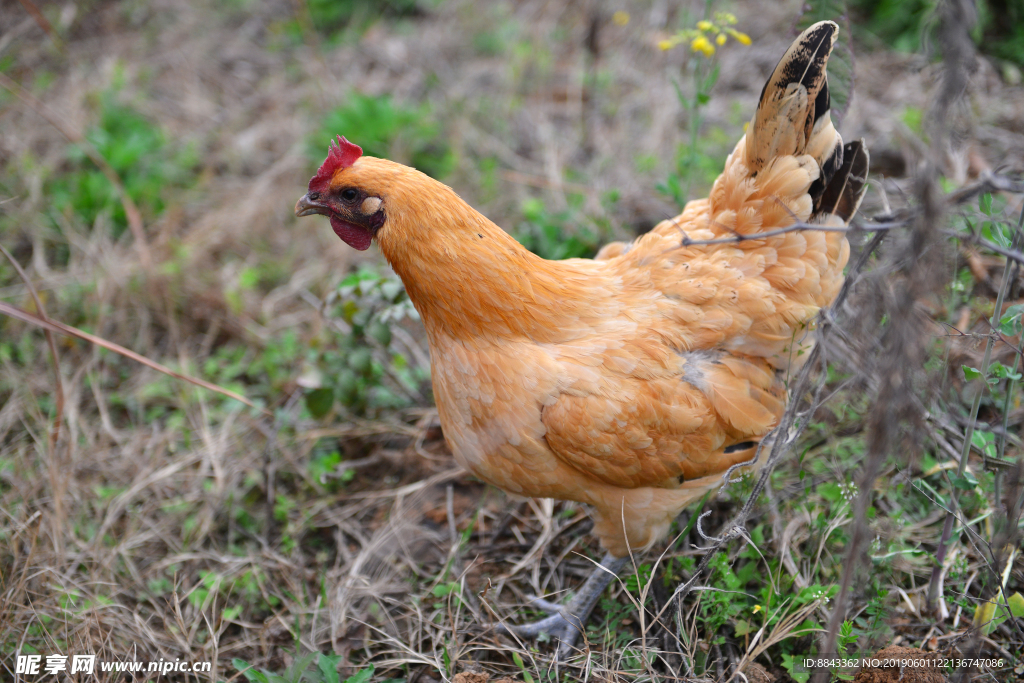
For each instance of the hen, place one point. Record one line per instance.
(633, 381)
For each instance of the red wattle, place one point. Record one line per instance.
(354, 235)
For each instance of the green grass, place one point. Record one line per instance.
(152, 168)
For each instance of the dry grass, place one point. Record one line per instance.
(168, 522)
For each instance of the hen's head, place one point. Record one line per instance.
(349, 191)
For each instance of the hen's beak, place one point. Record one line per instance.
(307, 207)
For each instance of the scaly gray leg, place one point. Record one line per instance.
(567, 621)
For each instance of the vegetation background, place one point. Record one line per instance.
(150, 157)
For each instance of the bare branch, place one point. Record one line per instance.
(901, 219)
(67, 330)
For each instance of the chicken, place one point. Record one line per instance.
(633, 381)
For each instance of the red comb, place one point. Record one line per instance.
(341, 154)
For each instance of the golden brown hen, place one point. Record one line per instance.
(633, 381)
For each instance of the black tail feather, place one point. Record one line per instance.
(843, 193)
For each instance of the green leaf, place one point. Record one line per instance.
(789, 663)
(392, 289)
(984, 615)
(251, 674)
(1016, 602)
(446, 659)
(198, 597)
(361, 676)
(328, 666)
(380, 332)
(999, 233)
(1010, 323)
(830, 492)
(319, 401)
(984, 442)
(443, 589)
(249, 278)
(985, 203)
(971, 373)
(361, 360)
(350, 281)
(1017, 310)
(964, 483)
(1000, 371)
(742, 627)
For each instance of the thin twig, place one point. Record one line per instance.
(67, 330)
(988, 183)
(799, 226)
(43, 23)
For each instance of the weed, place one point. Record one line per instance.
(690, 161)
(369, 363)
(315, 667)
(636, 581)
(872, 624)
(613, 629)
(150, 166)
(559, 234)
(329, 16)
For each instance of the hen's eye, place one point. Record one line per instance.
(349, 195)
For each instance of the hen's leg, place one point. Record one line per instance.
(567, 621)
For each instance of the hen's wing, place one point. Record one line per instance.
(635, 431)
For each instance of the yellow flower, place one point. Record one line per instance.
(665, 45)
(757, 608)
(705, 25)
(742, 38)
(621, 18)
(702, 44)
(720, 39)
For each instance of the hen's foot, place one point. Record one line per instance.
(567, 621)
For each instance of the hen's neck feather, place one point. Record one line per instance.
(469, 278)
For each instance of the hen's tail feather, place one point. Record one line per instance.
(842, 196)
(793, 115)
(824, 140)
